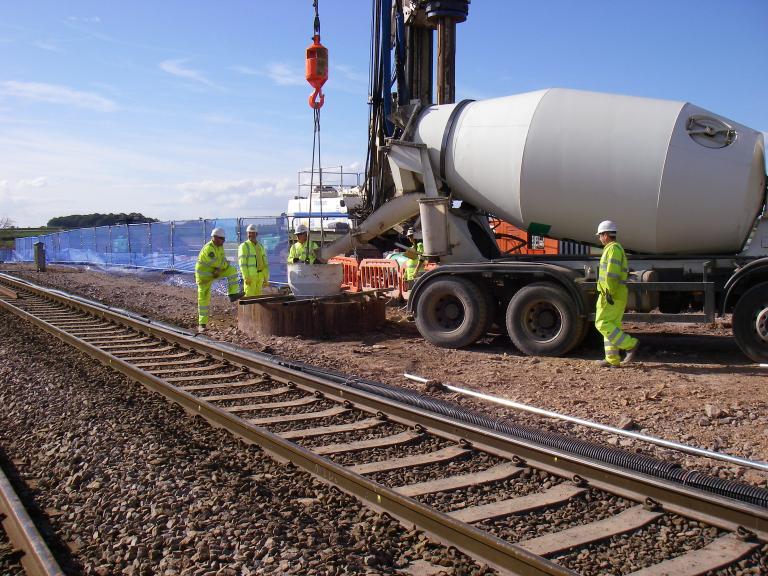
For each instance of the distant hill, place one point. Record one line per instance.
(92, 220)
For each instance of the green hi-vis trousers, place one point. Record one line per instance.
(608, 323)
(204, 291)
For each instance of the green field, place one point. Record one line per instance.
(9, 235)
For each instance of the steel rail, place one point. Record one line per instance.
(756, 464)
(506, 557)
(36, 558)
(689, 502)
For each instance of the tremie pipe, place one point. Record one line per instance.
(758, 465)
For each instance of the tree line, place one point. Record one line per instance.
(94, 220)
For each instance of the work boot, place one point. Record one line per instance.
(201, 329)
(606, 364)
(631, 353)
(236, 297)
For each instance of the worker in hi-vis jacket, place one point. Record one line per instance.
(303, 250)
(612, 298)
(211, 265)
(414, 265)
(252, 259)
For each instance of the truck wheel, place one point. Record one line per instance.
(750, 322)
(542, 320)
(452, 312)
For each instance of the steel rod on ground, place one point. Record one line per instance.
(756, 464)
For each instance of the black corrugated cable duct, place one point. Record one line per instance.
(606, 454)
(635, 462)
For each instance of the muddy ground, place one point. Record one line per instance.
(692, 384)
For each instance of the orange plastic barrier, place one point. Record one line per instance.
(380, 273)
(351, 281)
(513, 240)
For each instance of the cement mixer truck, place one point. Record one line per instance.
(687, 188)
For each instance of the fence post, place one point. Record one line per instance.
(130, 252)
(173, 260)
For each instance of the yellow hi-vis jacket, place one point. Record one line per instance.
(414, 264)
(253, 260)
(211, 263)
(302, 252)
(613, 273)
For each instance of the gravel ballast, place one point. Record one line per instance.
(691, 384)
(131, 485)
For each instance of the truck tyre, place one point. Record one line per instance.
(542, 320)
(452, 312)
(750, 322)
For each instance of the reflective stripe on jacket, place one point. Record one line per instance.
(302, 251)
(211, 261)
(614, 270)
(252, 259)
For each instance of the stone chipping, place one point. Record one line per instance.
(131, 485)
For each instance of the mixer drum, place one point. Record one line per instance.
(675, 177)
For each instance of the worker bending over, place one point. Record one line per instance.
(303, 250)
(612, 298)
(414, 265)
(253, 263)
(212, 264)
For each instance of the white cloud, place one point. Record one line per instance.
(48, 45)
(177, 68)
(246, 70)
(40, 92)
(85, 19)
(280, 73)
(219, 118)
(236, 194)
(283, 75)
(349, 73)
(40, 182)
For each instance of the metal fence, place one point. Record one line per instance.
(167, 246)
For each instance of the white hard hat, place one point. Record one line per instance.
(252, 228)
(301, 229)
(606, 226)
(219, 232)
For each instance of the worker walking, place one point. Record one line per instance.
(253, 263)
(414, 265)
(303, 250)
(612, 298)
(212, 264)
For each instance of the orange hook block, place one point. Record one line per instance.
(317, 71)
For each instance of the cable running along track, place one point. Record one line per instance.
(517, 505)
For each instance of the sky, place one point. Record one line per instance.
(183, 109)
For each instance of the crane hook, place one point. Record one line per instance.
(313, 102)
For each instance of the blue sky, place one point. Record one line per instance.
(186, 109)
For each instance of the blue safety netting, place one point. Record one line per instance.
(166, 246)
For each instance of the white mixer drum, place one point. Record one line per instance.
(675, 177)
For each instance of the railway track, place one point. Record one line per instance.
(524, 505)
(30, 548)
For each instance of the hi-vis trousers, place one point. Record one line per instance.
(204, 291)
(608, 323)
